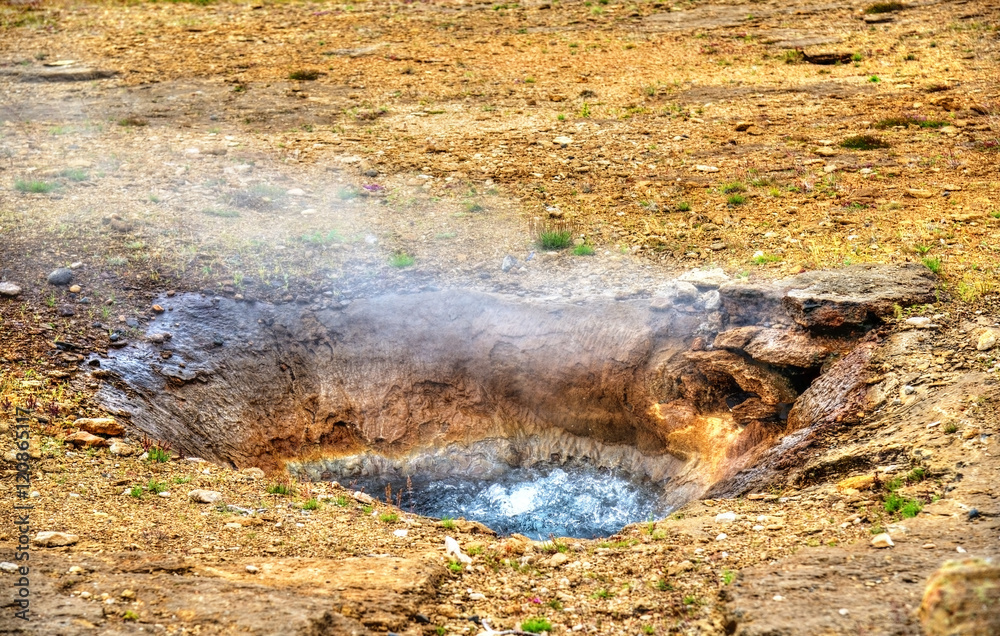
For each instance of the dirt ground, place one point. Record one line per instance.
(291, 150)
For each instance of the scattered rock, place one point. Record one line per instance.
(8, 567)
(563, 141)
(121, 449)
(252, 569)
(882, 541)
(558, 559)
(961, 598)
(451, 548)
(987, 340)
(509, 263)
(100, 425)
(725, 517)
(920, 322)
(917, 193)
(860, 482)
(703, 168)
(705, 278)
(253, 472)
(205, 496)
(75, 289)
(9, 289)
(62, 276)
(66, 311)
(49, 539)
(86, 440)
(362, 497)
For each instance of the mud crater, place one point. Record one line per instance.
(706, 386)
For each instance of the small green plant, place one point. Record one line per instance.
(603, 593)
(793, 57)
(763, 259)
(529, 80)
(75, 174)
(555, 239)
(472, 207)
(648, 629)
(181, 480)
(874, 79)
(950, 428)
(401, 259)
(932, 263)
(388, 517)
(857, 57)
(911, 509)
(583, 250)
(536, 625)
(136, 492)
(448, 523)
(280, 488)
(690, 599)
(440, 631)
(555, 604)
(736, 199)
(995, 214)
(683, 206)
(456, 567)
(735, 186)
(159, 455)
(132, 122)
(368, 510)
(916, 475)
(304, 75)
(906, 120)
(156, 487)
(884, 7)
(312, 504)
(130, 615)
(34, 187)
(222, 213)
(864, 142)
(561, 117)
(728, 576)
(342, 501)
(585, 110)
(346, 193)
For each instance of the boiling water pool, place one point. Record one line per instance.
(537, 501)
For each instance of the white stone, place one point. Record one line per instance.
(702, 168)
(401, 533)
(987, 340)
(50, 539)
(451, 548)
(205, 496)
(882, 541)
(164, 495)
(363, 497)
(725, 517)
(563, 141)
(8, 567)
(296, 192)
(253, 569)
(920, 322)
(9, 289)
(558, 559)
(705, 277)
(722, 536)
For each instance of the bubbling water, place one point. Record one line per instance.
(536, 501)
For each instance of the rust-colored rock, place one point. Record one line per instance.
(86, 440)
(100, 425)
(962, 598)
(771, 387)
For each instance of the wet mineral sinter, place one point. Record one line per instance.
(537, 501)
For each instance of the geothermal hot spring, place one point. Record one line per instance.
(538, 416)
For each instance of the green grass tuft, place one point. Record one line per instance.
(401, 260)
(583, 250)
(34, 187)
(280, 489)
(932, 263)
(864, 142)
(159, 455)
(555, 239)
(222, 213)
(304, 75)
(312, 504)
(536, 625)
(884, 7)
(736, 199)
